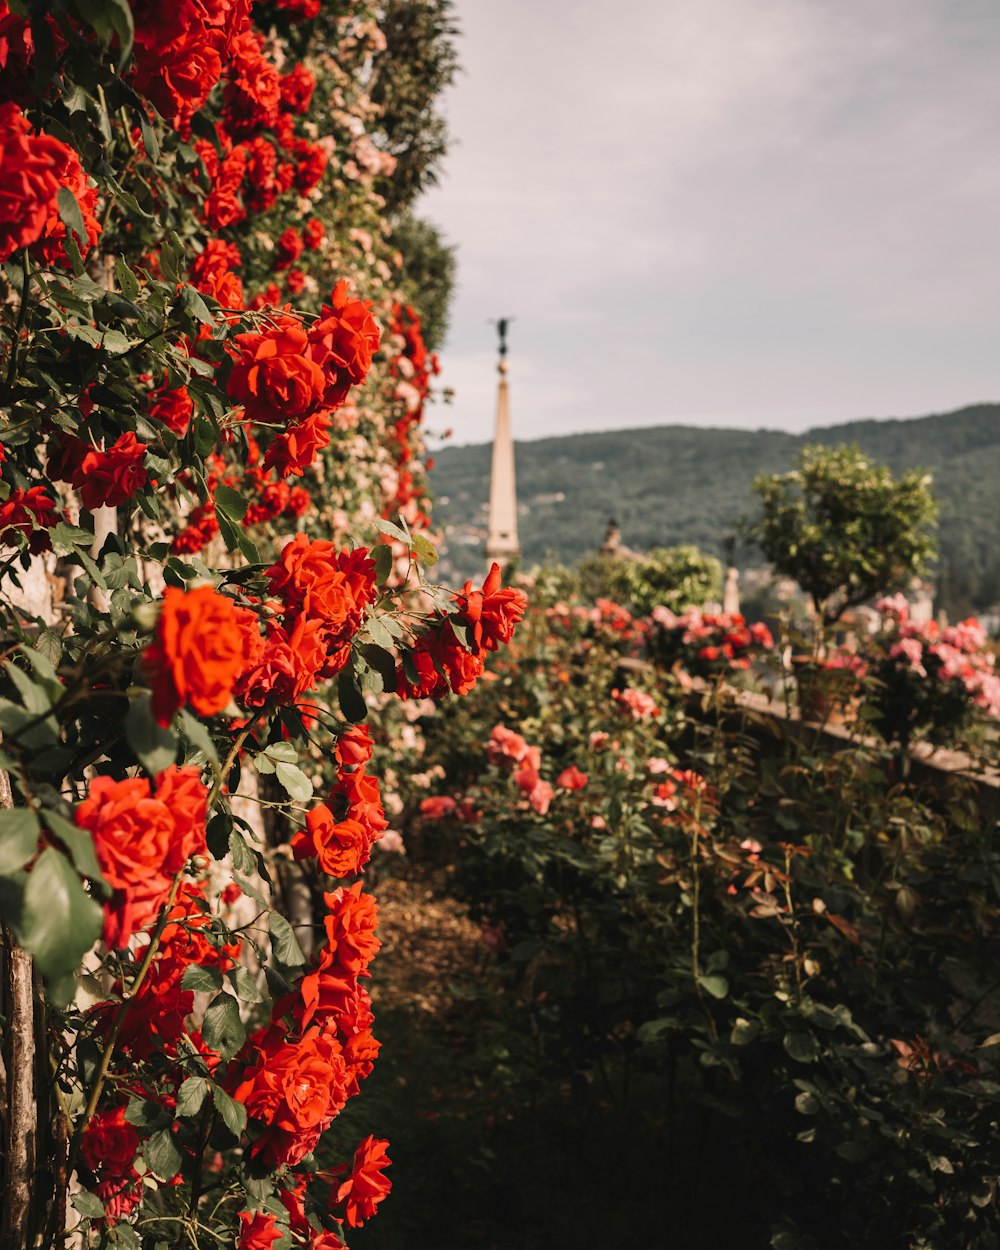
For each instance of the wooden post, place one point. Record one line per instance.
(20, 1134)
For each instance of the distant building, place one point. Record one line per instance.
(502, 544)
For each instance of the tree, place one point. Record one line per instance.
(844, 527)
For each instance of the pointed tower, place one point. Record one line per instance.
(501, 543)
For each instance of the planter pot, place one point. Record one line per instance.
(826, 696)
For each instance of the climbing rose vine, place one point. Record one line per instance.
(212, 513)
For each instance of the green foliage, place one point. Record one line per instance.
(428, 273)
(671, 577)
(844, 528)
(778, 967)
(677, 484)
(418, 62)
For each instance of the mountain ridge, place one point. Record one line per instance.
(670, 484)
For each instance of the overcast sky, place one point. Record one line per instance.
(776, 213)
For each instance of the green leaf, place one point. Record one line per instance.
(78, 842)
(284, 943)
(191, 1095)
(295, 782)
(244, 859)
(231, 502)
(217, 834)
(155, 747)
(196, 306)
(424, 550)
(162, 1155)
(60, 921)
(88, 1204)
(72, 218)
(352, 702)
(244, 984)
(36, 698)
(801, 1046)
(381, 554)
(19, 830)
(222, 1028)
(201, 979)
(378, 633)
(233, 1113)
(715, 985)
(128, 283)
(199, 737)
(393, 531)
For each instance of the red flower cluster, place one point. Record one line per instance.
(440, 661)
(342, 843)
(143, 836)
(289, 373)
(180, 50)
(34, 169)
(324, 594)
(30, 513)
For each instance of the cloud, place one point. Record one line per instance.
(759, 211)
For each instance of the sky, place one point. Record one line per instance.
(753, 213)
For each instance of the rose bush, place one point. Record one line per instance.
(211, 507)
(751, 958)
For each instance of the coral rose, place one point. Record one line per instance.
(340, 847)
(203, 644)
(365, 1186)
(344, 340)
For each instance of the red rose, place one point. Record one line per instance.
(328, 994)
(173, 407)
(363, 798)
(31, 166)
(437, 806)
(571, 778)
(31, 513)
(132, 831)
(223, 206)
(289, 665)
(203, 643)
(308, 580)
(354, 745)
(341, 848)
(110, 1143)
(313, 234)
(290, 247)
(253, 93)
(259, 1230)
(178, 77)
(110, 477)
(292, 452)
(350, 928)
(493, 612)
(181, 790)
(276, 378)
(49, 249)
(365, 1187)
(344, 340)
(297, 89)
(295, 1088)
(310, 164)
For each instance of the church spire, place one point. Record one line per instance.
(502, 544)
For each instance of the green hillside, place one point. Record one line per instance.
(674, 484)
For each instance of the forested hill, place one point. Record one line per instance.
(678, 484)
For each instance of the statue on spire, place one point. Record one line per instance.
(502, 543)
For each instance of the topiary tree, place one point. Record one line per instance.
(670, 577)
(844, 527)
